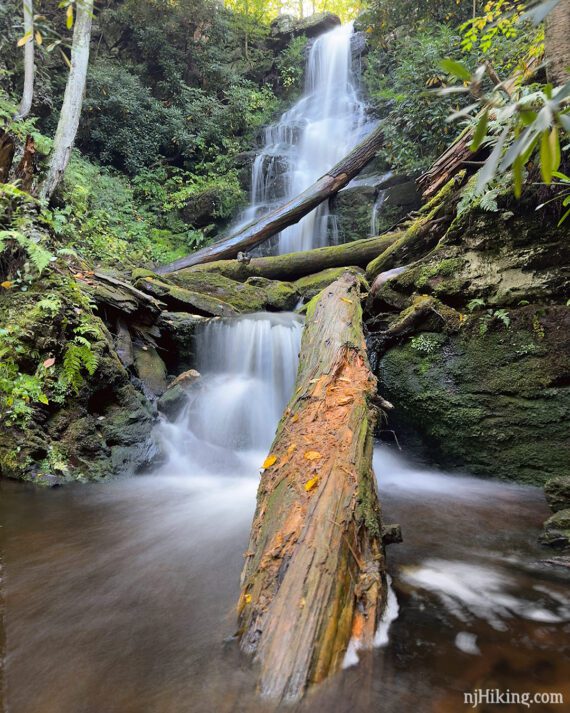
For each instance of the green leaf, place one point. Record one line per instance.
(517, 176)
(42, 398)
(480, 131)
(545, 158)
(564, 217)
(489, 169)
(457, 69)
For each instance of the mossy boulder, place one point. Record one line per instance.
(70, 411)
(557, 492)
(150, 368)
(491, 404)
(556, 531)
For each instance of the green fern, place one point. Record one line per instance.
(39, 256)
(78, 356)
(51, 304)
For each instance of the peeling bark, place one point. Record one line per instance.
(314, 571)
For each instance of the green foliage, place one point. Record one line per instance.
(526, 123)
(39, 257)
(78, 356)
(490, 316)
(424, 344)
(399, 81)
(291, 64)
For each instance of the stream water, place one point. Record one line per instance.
(118, 597)
(308, 140)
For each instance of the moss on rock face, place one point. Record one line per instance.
(70, 411)
(491, 404)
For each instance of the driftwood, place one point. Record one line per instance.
(314, 571)
(295, 265)
(289, 213)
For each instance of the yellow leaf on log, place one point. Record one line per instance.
(269, 461)
(247, 598)
(345, 299)
(310, 484)
(6, 284)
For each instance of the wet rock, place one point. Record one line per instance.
(392, 534)
(124, 344)
(175, 397)
(150, 368)
(557, 492)
(178, 329)
(285, 27)
(556, 532)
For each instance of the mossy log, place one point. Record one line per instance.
(289, 213)
(300, 264)
(314, 571)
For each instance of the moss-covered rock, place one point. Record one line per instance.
(69, 409)
(150, 368)
(556, 532)
(557, 492)
(491, 404)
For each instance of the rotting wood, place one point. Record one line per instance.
(289, 213)
(314, 571)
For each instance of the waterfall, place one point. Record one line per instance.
(248, 367)
(308, 140)
(376, 210)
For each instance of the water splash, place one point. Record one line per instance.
(308, 140)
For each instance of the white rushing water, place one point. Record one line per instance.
(308, 140)
(248, 367)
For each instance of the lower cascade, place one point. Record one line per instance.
(248, 367)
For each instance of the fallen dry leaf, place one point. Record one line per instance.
(6, 284)
(49, 362)
(269, 461)
(310, 484)
(345, 299)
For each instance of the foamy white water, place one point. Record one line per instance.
(248, 367)
(308, 140)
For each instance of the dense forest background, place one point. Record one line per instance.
(177, 93)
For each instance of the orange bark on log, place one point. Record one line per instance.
(314, 571)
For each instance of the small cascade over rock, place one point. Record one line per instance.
(248, 367)
(308, 140)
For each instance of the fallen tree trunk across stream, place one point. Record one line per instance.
(300, 264)
(314, 571)
(291, 212)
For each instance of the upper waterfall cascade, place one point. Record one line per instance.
(308, 140)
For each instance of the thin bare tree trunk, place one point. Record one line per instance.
(72, 100)
(557, 43)
(29, 68)
(314, 571)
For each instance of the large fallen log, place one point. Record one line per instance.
(314, 571)
(289, 213)
(295, 265)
